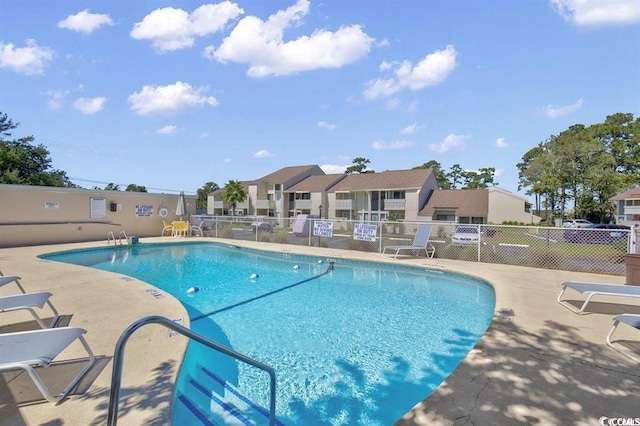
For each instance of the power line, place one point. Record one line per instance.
(177, 191)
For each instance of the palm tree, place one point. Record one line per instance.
(233, 193)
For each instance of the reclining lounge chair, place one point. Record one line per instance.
(420, 242)
(595, 289)
(38, 348)
(28, 301)
(632, 320)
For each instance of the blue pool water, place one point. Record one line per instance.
(360, 344)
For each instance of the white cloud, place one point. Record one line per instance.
(261, 44)
(227, 161)
(432, 70)
(170, 99)
(392, 103)
(31, 59)
(379, 145)
(498, 173)
(89, 105)
(166, 130)
(413, 106)
(202, 135)
(57, 98)
(598, 12)
(451, 142)
(263, 153)
(501, 143)
(85, 22)
(331, 169)
(410, 129)
(325, 125)
(554, 111)
(172, 29)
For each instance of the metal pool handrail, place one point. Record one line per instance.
(116, 375)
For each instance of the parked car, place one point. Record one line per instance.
(576, 223)
(599, 233)
(465, 236)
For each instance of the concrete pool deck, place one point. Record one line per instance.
(538, 363)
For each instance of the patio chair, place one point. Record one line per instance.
(196, 228)
(591, 290)
(7, 279)
(38, 348)
(167, 227)
(28, 301)
(420, 242)
(632, 320)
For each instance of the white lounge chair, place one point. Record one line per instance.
(6, 279)
(595, 289)
(38, 348)
(420, 242)
(28, 301)
(632, 320)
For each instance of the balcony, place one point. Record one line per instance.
(302, 204)
(631, 209)
(398, 204)
(266, 204)
(224, 204)
(344, 204)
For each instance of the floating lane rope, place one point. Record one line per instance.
(244, 302)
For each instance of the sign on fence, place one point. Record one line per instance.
(364, 232)
(322, 229)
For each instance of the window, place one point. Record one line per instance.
(445, 217)
(397, 195)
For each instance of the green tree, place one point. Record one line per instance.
(23, 163)
(586, 165)
(112, 187)
(480, 179)
(359, 166)
(202, 193)
(132, 187)
(455, 176)
(436, 168)
(233, 193)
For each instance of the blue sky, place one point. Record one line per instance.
(174, 94)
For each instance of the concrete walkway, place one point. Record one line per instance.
(538, 363)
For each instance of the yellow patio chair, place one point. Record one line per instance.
(167, 228)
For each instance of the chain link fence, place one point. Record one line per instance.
(572, 249)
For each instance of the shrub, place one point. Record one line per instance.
(281, 236)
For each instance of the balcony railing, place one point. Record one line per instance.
(394, 204)
(344, 204)
(266, 204)
(302, 204)
(224, 204)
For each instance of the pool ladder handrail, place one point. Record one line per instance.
(116, 375)
(121, 235)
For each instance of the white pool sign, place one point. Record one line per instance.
(322, 229)
(364, 232)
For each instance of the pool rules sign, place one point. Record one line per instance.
(322, 229)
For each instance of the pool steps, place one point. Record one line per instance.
(213, 400)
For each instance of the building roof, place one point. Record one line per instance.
(286, 174)
(387, 180)
(317, 183)
(465, 202)
(631, 193)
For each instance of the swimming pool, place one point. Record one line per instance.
(359, 344)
